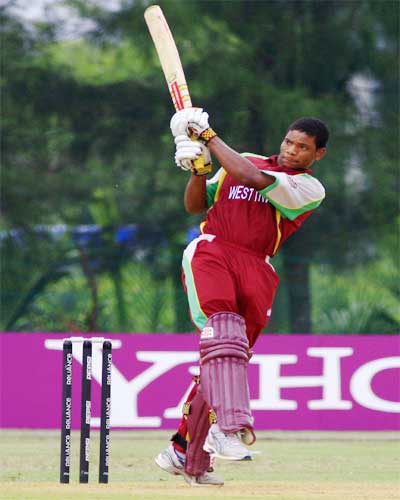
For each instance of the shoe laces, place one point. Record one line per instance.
(232, 439)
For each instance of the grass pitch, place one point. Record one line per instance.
(290, 466)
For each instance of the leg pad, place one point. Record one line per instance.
(198, 424)
(224, 355)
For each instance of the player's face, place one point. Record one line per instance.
(299, 151)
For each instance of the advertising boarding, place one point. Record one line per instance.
(297, 382)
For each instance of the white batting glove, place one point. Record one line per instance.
(187, 151)
(179, 122)
(198, 122)
(190, 121)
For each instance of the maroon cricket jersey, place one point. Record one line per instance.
(260, 220)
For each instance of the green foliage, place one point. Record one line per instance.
(365, 301)
(30, 263)
(101, 64)
(85, 140)
(67, 304)
(63, 306)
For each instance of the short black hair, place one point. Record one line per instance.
(313, 127)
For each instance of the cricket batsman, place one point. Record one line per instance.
(252, 205)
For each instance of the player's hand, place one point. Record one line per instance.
(179, 121)
(192, 155)
(193, 122)
(186, 151)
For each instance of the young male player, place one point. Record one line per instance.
(253, 203)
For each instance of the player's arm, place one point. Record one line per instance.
(187, 151)
(195, 199)
(240, 168)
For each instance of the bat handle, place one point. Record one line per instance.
(201, 167)
(199, 163)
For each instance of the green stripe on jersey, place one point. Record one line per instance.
(213, 186)
(198, 316)
(211, 190)
(292, 213)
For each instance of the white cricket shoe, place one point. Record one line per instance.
(207, 479)
(226, 446)
(169, 461)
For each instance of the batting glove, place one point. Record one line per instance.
(192, 155)
(194, 123)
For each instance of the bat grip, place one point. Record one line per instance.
(199, 163)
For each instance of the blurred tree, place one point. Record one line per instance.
(257, 66)
(93, 113)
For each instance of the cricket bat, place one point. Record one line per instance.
(169, 56)
(170, 61)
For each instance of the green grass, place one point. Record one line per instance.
(290, 466)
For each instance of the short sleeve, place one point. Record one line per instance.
(293, 195)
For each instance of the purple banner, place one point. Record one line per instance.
(297, 382)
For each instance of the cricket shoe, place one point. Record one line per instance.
(226, 446)
(169, 461)
(206, 479)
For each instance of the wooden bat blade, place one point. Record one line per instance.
(169, 56)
